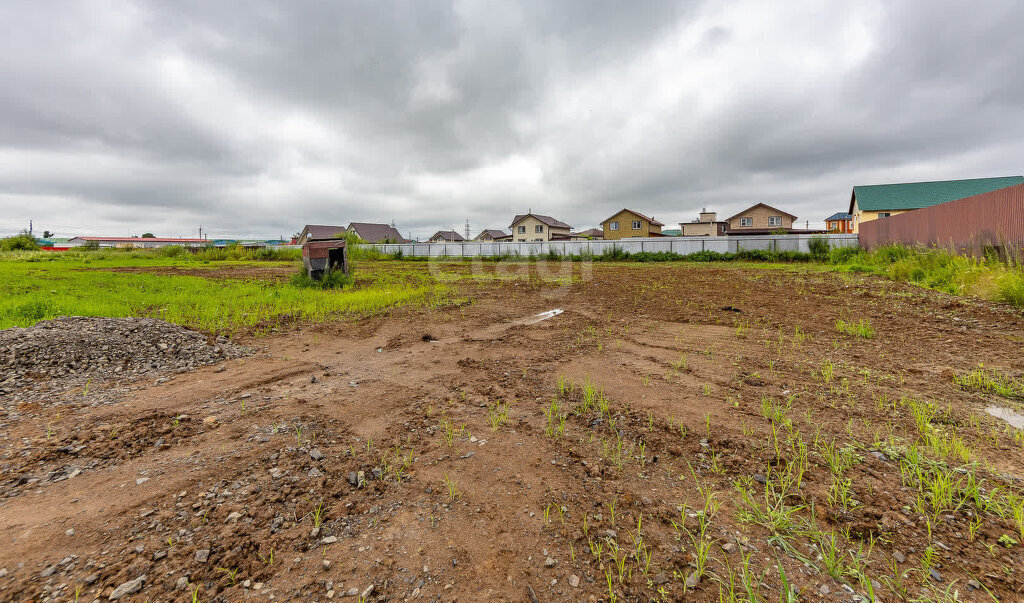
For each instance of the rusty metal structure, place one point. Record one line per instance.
(992, 221)
(321, 257)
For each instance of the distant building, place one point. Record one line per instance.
(760, 219)
(375, 233)
(883, 200)
(672, 232)
(706, 225)
(492, 235)
(446, 236)
(628, 223)
(319, 232)
(839, 222)
(136, 242)
(590, 233)
(535, 227)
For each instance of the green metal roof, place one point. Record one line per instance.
(915, 195)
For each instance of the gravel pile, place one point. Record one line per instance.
(65, 352)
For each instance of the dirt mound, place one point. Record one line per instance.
(69, 351)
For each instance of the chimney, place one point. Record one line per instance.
(707, 216)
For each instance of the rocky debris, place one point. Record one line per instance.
(70, 351)
(202, 555)
(128, 588)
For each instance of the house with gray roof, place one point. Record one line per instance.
(376, 233)
(535, 227)
(446, 236)
(492, 235)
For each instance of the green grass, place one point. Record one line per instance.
(37, 288)
(862, 328)
(991, 382)
(987, 278)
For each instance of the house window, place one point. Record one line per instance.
(613, 225)
(884, 214)
(521, 230)
(774, 220)
(746, 221)
(522, 240)
(538, 228)
(636, 225)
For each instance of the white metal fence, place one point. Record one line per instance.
(679, 245)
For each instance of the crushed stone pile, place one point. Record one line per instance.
(68, 351)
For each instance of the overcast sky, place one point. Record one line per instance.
(253, 118)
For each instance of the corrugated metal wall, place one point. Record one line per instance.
(966, 226)
(680, 245)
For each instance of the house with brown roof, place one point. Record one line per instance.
(760, 219)
(446, 236)
(628, 223)
(535, 227)
(590, 234)
(492, 235)
(375, 233)
(320, 232)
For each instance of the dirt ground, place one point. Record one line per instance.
(359, 459)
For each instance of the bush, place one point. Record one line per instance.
(819, 247)
(331, 280)
(844, 255)
(19, 242)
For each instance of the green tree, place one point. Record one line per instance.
(22, 240)
(148, 235)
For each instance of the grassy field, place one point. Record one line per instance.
(38, 286)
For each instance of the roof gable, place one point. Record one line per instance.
(376, 233)
(447, 235)
(494, 233)
(553, 223)
(842, 215)
(915, 195)
(635, 213)
(764, 205)
(321, 231)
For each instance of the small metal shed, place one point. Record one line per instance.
(320, 257)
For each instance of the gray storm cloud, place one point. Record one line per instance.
(253, 118)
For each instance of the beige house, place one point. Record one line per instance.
(535, 227)
(628, 223)
(707, 225)
(492, 235)
(760, 219)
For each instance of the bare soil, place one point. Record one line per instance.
(214, 479)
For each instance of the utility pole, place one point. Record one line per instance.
(30, 227)
(467, 230)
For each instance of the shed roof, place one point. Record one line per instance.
(915, 195)
(635, 213)
(494, 233)
(842, 215)
(545, 219)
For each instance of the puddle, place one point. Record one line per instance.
(1013, 418)
(543, 316)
